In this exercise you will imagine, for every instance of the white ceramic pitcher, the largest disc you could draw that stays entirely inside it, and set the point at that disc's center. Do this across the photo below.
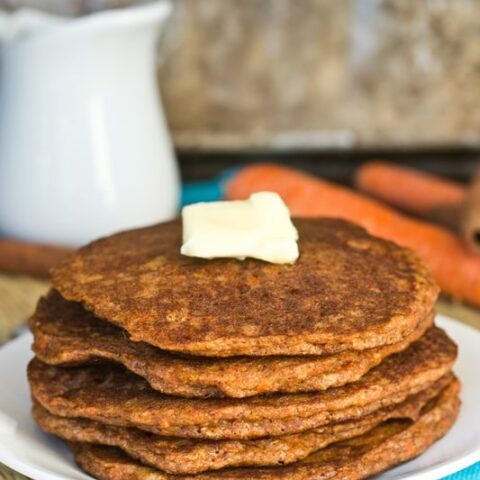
(84, 147)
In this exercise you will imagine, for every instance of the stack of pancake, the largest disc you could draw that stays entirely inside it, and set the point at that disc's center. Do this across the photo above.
(154, 365)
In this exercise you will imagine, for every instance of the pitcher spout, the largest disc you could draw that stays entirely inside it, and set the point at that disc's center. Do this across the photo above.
(141, 16)
(33, 24)
(26, 22)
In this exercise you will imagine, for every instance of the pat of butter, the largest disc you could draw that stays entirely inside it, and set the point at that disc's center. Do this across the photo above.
(259, 227)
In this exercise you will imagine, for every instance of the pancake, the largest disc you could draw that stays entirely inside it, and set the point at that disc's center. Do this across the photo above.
(179, 456)
(112, 395)
(65, 333)
(347, 291)
(390, 443)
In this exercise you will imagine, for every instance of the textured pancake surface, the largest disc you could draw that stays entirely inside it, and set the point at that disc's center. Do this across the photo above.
(65, 333)
(180, 456)
(110, 394)
(347, 291)
(386, 445)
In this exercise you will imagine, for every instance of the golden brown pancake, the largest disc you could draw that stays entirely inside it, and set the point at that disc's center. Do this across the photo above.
(390, 443)
(348, 291)
(112, 395)
(65, 333)
(181, 456)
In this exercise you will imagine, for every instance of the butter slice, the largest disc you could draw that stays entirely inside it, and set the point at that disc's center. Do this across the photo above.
(259, 227)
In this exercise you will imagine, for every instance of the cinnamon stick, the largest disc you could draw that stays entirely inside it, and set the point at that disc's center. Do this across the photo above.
(447, 215)
(30, 258)
(470, 217)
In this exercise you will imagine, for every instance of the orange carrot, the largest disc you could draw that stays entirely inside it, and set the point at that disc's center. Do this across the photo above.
(455, 268)
(408, 189)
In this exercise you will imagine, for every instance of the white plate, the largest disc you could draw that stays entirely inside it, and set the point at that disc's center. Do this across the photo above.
(26, 449)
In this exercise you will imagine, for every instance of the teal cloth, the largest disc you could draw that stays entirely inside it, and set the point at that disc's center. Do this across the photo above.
(470, 473)
(206, 191)
(213, 190)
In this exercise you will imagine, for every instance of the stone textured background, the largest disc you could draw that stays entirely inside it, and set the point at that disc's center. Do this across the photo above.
(316, 73)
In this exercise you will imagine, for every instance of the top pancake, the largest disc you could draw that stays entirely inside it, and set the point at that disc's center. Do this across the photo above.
(347, 291)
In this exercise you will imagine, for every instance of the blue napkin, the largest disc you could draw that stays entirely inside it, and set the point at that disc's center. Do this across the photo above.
(470, 473)
(206, 191)
(213, 190)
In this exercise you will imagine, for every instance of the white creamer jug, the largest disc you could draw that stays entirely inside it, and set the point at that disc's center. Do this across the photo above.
(84, 147)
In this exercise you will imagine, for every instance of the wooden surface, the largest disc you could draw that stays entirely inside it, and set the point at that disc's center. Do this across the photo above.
(18, 295)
